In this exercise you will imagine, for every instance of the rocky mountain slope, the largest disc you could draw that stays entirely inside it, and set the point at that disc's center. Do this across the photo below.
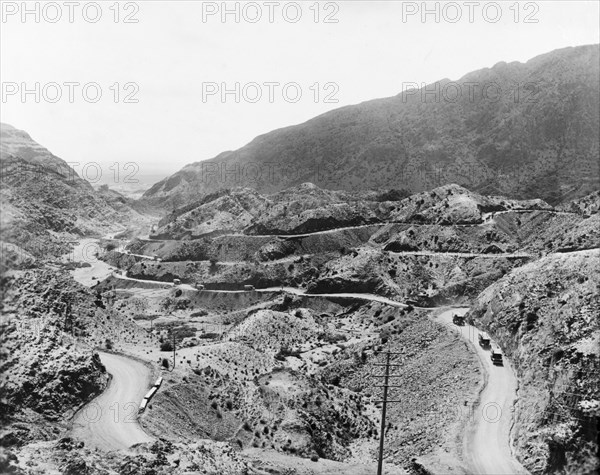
(42, 197)
(306, 208)
(447, 244)
(522, 130)
(300, 209)
(294, 376)
(276, 380)
(48, 369)
(586, 205)
(545, 317)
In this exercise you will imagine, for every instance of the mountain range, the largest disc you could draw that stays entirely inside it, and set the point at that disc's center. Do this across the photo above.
(523, 130)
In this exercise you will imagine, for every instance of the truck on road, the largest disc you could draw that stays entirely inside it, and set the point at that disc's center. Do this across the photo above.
(484, 340)
(496, 356)
(458, 319)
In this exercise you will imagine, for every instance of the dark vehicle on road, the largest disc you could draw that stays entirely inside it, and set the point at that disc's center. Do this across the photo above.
(496, 356)
(484, 340)
(458, 319)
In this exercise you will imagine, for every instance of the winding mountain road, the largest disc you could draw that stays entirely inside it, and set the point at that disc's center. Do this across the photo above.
(485, 219)
(301, 292)
(467, 255)
(486, 442)
(109, 422)
(289, 290)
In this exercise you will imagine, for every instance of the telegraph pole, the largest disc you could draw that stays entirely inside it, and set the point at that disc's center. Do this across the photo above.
(174, 349)
(383, 411)
(386, 376)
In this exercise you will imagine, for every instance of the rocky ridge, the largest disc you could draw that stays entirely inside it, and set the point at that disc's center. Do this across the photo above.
(536, 136)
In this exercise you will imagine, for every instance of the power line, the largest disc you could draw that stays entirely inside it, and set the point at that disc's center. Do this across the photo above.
(385, 401)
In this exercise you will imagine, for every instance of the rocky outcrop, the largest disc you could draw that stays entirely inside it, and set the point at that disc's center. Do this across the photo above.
(587, 205)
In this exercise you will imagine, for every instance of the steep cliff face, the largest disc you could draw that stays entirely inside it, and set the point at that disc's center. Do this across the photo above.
(522, 130)
(545, 316)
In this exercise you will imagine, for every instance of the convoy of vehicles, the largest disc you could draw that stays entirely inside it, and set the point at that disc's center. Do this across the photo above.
(150, 394)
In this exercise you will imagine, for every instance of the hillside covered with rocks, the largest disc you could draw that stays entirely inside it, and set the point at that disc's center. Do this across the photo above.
(545, 317)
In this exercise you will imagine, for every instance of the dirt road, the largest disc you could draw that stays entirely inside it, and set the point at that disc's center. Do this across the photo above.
(85, 251)
(467, 255)
(370, 297)
(290, 290)
(109, 422)
(486, 441)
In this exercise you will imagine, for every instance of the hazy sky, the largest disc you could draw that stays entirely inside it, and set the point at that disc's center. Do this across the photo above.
(173, 53)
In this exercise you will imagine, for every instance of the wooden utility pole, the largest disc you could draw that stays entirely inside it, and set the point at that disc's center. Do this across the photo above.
(385, 401)
(174, 354)
(383, 411)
